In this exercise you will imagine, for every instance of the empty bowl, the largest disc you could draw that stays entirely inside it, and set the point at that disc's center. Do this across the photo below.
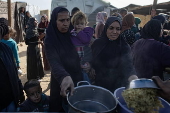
(143, 83)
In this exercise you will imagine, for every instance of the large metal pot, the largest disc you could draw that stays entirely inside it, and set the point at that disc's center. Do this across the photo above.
(91, 99)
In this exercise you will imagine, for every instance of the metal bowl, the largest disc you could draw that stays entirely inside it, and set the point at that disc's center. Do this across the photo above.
(91, 99)
(143, 83)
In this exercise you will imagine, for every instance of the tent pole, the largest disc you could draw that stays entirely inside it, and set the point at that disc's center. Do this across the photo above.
(9, 12)
(154, 4)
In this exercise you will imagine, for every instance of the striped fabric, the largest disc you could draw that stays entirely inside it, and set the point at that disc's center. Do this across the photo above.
(80, 51)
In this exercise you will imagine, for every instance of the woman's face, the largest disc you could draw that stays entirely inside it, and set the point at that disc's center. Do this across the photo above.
(113, 31)
(43, 19)
(105, 18)
(28, 14)
(153, 12)
(36, 23)
(63, 21)
(22, 9)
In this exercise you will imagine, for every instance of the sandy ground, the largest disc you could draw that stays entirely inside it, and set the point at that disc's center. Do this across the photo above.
(45, 82)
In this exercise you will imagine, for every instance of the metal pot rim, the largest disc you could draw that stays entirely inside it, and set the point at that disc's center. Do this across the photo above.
(93, 86)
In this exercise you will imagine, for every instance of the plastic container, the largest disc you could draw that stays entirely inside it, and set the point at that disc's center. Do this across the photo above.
(143, 83)
(122, 107)
(19, 72)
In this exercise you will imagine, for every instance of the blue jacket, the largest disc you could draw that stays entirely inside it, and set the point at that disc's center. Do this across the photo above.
(29, 106)
(13, 45)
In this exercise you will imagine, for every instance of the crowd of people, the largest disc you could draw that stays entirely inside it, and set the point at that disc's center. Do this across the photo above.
(111, 54)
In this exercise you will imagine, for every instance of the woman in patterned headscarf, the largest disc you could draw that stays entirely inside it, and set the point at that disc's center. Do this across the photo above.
(34, 63)
(42, 26)
(100, 22)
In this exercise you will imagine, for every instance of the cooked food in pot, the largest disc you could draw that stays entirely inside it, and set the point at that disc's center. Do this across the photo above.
(142, 100)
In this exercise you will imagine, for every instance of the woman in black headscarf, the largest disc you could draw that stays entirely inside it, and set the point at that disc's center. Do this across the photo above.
(34, 62)
(112, 57)
(10, 85)
(62, 57)
(27, 17)
(150, 56)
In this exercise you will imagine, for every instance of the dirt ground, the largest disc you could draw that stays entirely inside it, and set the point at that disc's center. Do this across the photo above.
(45, 82)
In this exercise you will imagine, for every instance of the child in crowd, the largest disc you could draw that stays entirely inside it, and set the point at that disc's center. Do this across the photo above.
(36, 101)
(81, 37)
(8, 40)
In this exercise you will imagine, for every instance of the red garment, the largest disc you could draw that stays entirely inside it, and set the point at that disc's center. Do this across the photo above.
(43, 24)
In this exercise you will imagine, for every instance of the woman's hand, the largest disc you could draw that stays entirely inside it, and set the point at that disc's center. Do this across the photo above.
(86, 67)
(42, 36)
(67, 83)
(165, 88)
(92, 73)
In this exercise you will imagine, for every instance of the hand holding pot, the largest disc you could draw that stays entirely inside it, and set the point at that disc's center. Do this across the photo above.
(66, 84)
(165, 88)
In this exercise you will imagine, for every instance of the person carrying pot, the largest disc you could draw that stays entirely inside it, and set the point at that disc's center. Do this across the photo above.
(164, 86)
(62, 57)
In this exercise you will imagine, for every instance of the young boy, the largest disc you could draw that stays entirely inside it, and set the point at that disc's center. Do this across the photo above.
(81, 37)
(12, 44)
(36, 101)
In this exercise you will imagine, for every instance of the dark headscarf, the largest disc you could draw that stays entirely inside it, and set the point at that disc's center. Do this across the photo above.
(45, 23)
(7, 57)
(63, 45)
(111, 60)
(152, 30)
(3, 27)
(27, 17)
(160, 18)
(104, 41)
(32, 29)
(128, 22)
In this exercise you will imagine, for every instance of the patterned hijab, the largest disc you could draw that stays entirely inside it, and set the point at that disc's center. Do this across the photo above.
(32, 29)
(128, 22)
(100, 17)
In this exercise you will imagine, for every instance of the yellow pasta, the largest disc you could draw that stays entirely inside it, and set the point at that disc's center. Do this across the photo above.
(142, 100)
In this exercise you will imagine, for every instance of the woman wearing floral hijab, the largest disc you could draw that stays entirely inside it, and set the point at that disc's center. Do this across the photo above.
(44, 22)
(34, 63)
(100, 22)
(42, 26)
